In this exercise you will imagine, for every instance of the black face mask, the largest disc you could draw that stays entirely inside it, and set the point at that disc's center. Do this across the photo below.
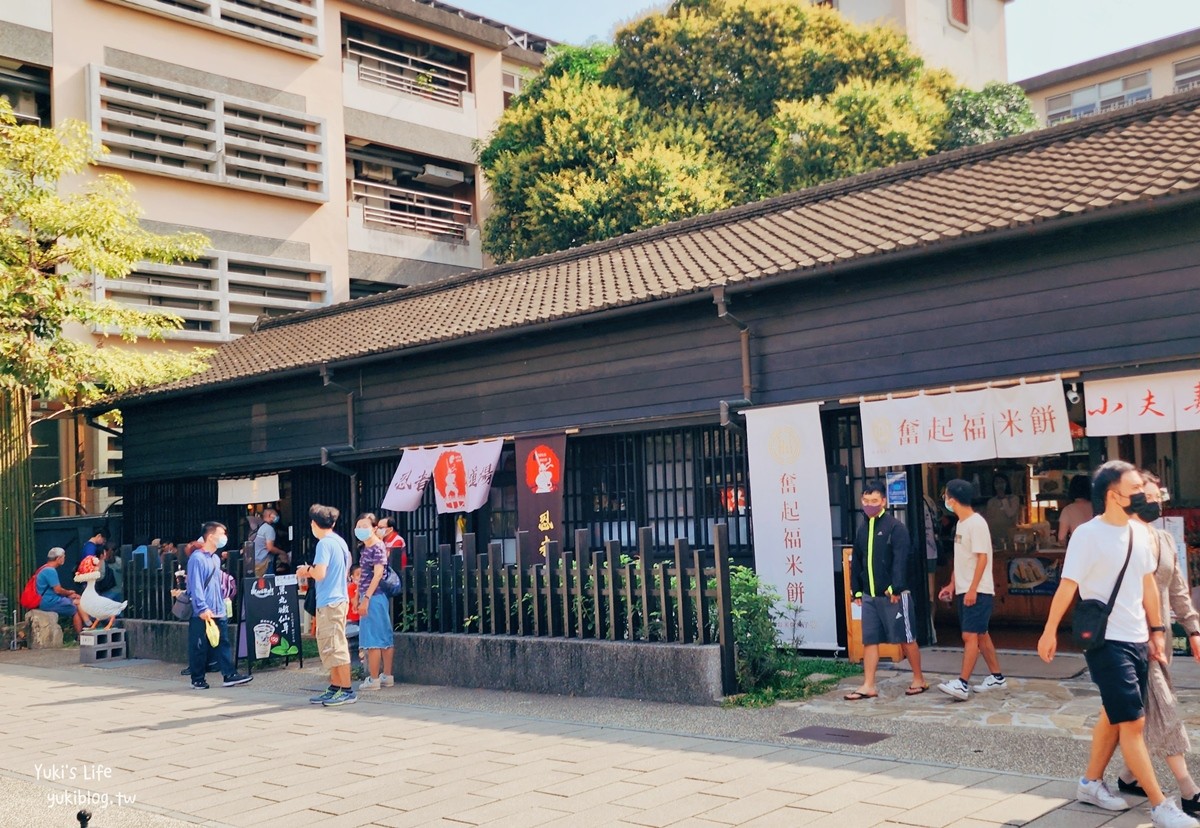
(1150, 512)
(1137, 502)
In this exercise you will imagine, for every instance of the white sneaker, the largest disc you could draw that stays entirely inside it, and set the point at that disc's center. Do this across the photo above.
(1167, 815)
(386, 680)
(991, 683)
(368, 684)
(956, 688)
(1097, 793)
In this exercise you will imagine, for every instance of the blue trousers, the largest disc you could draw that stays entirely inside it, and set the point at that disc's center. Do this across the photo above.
(200, 652)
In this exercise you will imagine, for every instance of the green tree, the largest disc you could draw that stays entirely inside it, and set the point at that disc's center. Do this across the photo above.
(997, 111)
(773, 94)
(587, 63)
(56, 236)
(581, 162)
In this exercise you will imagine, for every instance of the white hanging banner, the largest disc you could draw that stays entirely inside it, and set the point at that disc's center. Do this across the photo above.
(793, 534)
(1020, 421)
(246, 490)
(462, 475)
(1030, 420)
(1150, 404)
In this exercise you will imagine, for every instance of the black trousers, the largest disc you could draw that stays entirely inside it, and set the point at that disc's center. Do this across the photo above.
(201, 653)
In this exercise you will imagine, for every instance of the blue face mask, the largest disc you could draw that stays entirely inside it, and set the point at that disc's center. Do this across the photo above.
(221, 541)
(362, 534)
(949, 508)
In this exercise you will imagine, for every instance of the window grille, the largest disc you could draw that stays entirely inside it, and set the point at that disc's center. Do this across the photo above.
(294, 25)
(167, 128)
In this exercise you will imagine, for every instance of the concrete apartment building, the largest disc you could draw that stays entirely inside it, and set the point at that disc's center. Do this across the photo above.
(964, 36)
(1151, 70)
(324, 146)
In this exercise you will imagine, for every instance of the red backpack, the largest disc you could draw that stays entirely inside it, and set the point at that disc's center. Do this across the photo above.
(31, 599)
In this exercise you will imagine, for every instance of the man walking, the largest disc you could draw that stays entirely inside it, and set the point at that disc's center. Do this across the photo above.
(330, 565)
(1096, 554)
(879, 582)
(972, 587)
(204, 588)
(266, 553)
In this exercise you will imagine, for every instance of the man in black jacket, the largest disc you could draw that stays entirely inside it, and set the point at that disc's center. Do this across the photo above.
(879, 583)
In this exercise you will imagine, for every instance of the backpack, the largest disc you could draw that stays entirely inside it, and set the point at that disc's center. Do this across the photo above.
(31, 599)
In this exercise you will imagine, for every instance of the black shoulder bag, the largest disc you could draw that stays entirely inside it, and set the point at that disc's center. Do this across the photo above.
(1090, 621)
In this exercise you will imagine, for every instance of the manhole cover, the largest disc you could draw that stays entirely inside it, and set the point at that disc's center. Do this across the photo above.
(838, 735)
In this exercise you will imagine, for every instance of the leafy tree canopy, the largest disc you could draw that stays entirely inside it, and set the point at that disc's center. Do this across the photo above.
(53, 242)
(738, 99)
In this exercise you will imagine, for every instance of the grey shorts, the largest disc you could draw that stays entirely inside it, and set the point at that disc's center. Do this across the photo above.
(886, 623)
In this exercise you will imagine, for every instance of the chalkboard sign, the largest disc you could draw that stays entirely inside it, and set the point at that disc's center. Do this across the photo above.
(272, 614)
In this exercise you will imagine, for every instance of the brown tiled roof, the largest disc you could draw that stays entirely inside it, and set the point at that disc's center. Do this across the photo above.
(1145, 153)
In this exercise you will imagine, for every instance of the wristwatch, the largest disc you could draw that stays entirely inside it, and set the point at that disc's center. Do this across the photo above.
(1158, 629)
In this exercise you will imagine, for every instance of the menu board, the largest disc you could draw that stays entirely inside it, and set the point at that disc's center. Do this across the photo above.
(1033, 575)
(272, 613)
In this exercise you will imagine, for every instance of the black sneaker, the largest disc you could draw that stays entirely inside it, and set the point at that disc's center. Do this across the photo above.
(1134, 789)
(1191, 807)
(236, 680)
(201, 684)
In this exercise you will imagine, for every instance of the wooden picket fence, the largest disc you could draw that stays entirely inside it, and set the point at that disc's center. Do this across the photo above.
(608, 595)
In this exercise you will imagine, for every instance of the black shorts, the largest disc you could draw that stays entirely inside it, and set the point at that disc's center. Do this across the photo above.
(886, 623)
(975, 618)
(1120, 669)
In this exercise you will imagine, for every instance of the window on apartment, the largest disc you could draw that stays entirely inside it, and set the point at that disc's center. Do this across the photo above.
(429, 71)
(222, 295)
(27, 90)
(1187, 74)
(290, 24)
(512, 84)
(1101, 97)
(957, 11)
(411, 192)
(163, 127)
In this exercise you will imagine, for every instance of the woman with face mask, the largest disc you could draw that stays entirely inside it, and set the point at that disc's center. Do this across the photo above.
(375, 634)
(1165, 732)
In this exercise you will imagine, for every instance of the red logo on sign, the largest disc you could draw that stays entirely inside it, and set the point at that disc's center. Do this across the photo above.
(543, 470)
(450, 478)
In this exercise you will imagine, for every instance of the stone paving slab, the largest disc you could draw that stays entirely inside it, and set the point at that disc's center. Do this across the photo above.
(262, 756)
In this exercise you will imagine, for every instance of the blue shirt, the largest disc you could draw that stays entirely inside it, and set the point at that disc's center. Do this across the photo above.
(333, 552)
(47, 580)
(266, 532)
(202, 568)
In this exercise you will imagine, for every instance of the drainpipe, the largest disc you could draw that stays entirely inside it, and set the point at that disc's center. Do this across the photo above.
(351, 438)
(730, 407)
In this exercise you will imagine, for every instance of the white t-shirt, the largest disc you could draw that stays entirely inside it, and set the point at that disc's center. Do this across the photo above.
(971, 539)
(1095, 555)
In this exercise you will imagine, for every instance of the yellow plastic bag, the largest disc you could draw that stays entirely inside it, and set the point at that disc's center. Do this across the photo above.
(213, 631)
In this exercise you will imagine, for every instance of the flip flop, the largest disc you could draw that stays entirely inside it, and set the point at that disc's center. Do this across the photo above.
(916, 691)
(855, 696)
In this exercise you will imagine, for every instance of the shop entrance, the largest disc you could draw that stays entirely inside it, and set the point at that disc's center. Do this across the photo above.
(1026, 502)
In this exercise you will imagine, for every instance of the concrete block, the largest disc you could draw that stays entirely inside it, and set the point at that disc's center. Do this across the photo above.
(92, 653)
(45, 633)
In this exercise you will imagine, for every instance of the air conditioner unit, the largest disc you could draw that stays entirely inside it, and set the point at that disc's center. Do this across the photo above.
(376, 172)
(440, 176)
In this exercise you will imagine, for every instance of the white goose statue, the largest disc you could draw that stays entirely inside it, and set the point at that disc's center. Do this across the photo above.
(93, 603)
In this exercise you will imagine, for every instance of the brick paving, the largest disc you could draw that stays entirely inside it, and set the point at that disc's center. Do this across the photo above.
(262, 756)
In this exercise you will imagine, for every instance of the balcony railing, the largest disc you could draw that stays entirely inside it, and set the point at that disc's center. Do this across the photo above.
(407, 73)
(412, 209)
(1185, 85)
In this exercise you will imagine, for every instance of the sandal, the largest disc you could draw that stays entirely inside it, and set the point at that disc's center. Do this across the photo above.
(916, 690)
(856, 695)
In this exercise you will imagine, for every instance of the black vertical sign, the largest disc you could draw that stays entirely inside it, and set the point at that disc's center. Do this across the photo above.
(272, 617)
(540, 477)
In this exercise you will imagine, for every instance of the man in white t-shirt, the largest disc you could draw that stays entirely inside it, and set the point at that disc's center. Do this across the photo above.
(1135, 634)
(973, 589)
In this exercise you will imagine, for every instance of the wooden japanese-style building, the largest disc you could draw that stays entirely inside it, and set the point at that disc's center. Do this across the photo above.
(1074, 249)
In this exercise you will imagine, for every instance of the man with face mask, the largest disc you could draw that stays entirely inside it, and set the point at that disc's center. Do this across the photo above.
(1096, 554)
(265, 550)
(204, 587)
(879, 582)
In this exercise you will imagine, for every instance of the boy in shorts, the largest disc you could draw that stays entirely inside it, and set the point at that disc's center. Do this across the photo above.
(973, 589)
(329, 569)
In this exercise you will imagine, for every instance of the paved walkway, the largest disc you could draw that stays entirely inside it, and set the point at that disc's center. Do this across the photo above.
(158, 754)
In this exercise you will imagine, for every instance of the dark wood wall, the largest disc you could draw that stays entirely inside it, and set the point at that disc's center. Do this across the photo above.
(1110, 294)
